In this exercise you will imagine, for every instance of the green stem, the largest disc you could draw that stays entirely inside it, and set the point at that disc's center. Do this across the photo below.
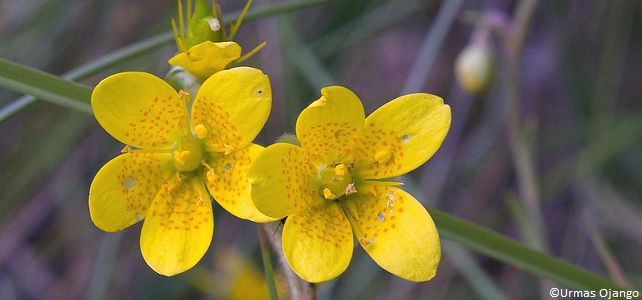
(298, 288)
(520, 143)
(267, 262)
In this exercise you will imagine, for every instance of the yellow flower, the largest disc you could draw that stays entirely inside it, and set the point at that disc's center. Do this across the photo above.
(205, 48)
(333, 187)
(207, 58)
(172, 160)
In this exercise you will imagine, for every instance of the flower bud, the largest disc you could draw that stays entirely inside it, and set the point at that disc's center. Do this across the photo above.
(203, 26)
(474, 67)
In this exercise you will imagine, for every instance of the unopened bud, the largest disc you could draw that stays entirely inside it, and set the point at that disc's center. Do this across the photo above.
(474, 67)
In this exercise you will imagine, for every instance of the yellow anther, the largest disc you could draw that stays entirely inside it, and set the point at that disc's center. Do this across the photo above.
(328, 194)
(211, 176)
(336, 181)
(340, 169)
(382, 156)
(127, 149)
(183, 95)
(200, 130)
(181, 156)
(228, 149)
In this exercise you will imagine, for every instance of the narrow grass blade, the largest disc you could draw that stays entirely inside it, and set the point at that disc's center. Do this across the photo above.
(45, 86)
(508, 251)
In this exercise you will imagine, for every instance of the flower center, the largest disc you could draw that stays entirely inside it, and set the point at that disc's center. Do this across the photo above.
(336, 181)
(188, 155)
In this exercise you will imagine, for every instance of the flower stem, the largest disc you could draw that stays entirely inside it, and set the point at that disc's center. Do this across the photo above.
(298, 288)
(267, 263)
(519, 134)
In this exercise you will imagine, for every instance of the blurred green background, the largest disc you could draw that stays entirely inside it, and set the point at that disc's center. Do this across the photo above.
(580, 110)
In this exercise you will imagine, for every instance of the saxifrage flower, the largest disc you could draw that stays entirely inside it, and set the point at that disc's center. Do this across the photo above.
(339, 185)
(176, 155)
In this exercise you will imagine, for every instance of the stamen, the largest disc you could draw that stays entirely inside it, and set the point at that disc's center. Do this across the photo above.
(127, 149)
(183, 95)
(200, 130)
(391, 201)
(130, 150)
(382, 156)
(210, 175)
(228, 149)
(340, 169)
(201, 201)
(350, 189)
(366, 242)
(328, 194)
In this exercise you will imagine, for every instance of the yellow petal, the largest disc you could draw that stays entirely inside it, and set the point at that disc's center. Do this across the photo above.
(229, 184)
(402, 135)
(232, 106)
(179, 226)
(283, 181)
(139, 109)
(318, 242)
(123, 189)
(329, 127)
(395, 230)
(207, 58)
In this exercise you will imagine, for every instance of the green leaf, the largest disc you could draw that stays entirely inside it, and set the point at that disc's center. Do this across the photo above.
(508, 251)
(45, 86)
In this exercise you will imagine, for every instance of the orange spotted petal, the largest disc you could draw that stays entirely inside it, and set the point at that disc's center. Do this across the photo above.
(328, 129)
(318, 242)
(179, 226)
(140, 109)
(402, 135)
(123, 189)
(226, 179)
(395, 230)
(283, 181)
(231, 108)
